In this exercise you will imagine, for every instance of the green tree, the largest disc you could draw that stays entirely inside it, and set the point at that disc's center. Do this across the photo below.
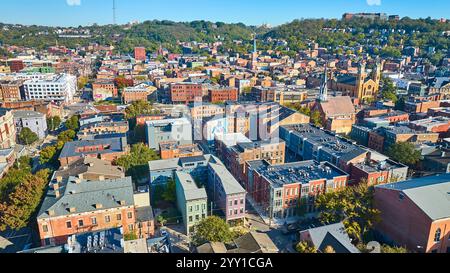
(136, 162)
(212, 229)
(170, 193)
(404, 152)
(73, 123)
(139, 107)
(305, 247)
(388, 92)
(27, 136)
(53, 123)
(67, 136)
(130, 236)
(47, 155)
(82, 81)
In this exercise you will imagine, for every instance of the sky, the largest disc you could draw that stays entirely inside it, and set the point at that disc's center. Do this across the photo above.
(251, 12)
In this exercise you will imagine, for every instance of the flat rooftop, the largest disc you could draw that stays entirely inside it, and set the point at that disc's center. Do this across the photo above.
(297, 172)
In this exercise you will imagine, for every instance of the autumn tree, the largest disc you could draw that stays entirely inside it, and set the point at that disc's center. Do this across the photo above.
(305, 247)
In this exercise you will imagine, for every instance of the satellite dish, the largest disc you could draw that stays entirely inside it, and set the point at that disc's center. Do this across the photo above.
(373, 247)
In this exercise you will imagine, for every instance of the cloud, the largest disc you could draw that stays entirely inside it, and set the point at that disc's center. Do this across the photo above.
(73, 2)
(374, 2)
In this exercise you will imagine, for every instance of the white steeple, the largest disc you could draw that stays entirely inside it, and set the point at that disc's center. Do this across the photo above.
(323, 96)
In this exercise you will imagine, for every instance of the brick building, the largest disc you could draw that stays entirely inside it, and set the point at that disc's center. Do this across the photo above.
(7, 130)
(106, 149)
(75, 206)
(104, 89)
(416, 213)
(10, 91)
(186, 92)
(222, 94)
(289, 190)
(140, 53)
(170, 150)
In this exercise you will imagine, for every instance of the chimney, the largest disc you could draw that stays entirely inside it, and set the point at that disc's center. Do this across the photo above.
(98, 206)
(122, 202)
(51, 212)
(59, 179)
(80, 176)
(72, 209)
(101, 178)
(77, 181)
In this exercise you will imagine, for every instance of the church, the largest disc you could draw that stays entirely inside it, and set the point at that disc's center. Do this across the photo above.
(361, 86)
(338, 114)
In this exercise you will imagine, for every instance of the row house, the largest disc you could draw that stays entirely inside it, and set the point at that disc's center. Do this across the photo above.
(289, 190)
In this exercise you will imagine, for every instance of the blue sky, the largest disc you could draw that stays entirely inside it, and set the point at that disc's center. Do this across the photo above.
(253, 12)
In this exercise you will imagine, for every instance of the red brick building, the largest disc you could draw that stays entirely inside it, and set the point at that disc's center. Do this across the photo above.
(16, 65)
(223, 94)
(10, 91)
(416, 213)
(140, 53)
(186, 92)
(76, 206)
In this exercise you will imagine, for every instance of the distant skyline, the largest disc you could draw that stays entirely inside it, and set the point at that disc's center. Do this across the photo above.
(250, 12)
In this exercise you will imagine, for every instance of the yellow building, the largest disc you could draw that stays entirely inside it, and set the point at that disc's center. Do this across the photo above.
(361, 85)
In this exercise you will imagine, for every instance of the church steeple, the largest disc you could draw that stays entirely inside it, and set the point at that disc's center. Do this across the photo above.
(324, 86)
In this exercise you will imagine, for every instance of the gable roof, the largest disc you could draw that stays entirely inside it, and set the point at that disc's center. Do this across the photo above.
(332, 235)
(336, 106)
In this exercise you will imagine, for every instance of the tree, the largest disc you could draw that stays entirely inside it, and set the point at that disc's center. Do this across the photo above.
(388, 92)
(67, 136)
(136, 162)
(130, 236)
(122, 82)
(82, 81)
(72, 123)
(404, 152)
(22, 203)
(305, 247)
(353, 206)
(47, 155)
(53, 123)
(393, 249)
(161, 220)
(212, 229)
(27, 136)
(139, 107)
(170, 194)
(316, 118)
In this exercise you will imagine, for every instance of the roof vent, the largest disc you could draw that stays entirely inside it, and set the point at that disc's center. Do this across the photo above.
(72, 209)
(98, 206)
(122, 202)
(51, 212)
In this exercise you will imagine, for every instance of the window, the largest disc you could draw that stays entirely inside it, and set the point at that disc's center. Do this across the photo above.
(235, 202)
(230, 212)
(190, 208)
(119, 217)
(131, 227)
(80, 223)
(107, 219)
(45, 228)
(94, 220)
(69, 224)
(242, 210)
(242, 201)
(235, 211)
(130, 215)
(437, 235)
(190, 218)
(197, 217)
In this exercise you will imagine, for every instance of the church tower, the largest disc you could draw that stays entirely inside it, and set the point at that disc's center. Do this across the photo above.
(377, 73)
(360, 80)
(254, 60)
(323, 96)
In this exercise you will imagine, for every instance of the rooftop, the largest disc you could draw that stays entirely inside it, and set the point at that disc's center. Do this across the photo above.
(110, 145)
(190, 188)
(297, 172)
(431, 194)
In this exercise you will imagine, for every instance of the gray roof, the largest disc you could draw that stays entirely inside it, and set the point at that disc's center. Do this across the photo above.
(176, 163)
(27, 114)
(431, 194)
(332, 235)
(113, 144)
(85, 195)
(229, 183)
(190, 188)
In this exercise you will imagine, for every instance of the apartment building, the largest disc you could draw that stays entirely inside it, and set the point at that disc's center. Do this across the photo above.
(170, 150)
(104, 89)
(108, 149)
(7, 129)
(74, 206)
(168, 130)
(53, 87)
(289, 190)
(192, 200)
(186, 92)
(222, 94)
(35, 121)
(11, 90)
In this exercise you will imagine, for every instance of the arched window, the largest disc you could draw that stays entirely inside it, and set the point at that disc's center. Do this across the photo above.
(437, 235)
